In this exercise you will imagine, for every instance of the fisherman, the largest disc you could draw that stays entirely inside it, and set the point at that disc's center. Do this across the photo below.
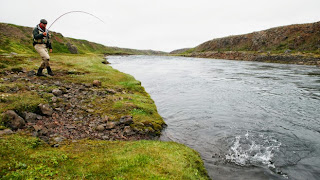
(41, 41)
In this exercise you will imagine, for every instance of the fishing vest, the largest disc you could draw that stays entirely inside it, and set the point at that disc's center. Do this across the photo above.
(44, 40)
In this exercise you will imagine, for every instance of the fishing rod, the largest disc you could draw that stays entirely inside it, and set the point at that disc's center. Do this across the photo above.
(74, 12)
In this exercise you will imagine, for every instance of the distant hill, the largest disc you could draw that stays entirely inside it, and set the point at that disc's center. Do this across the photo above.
(18, 39)
(298, 37)
(178, 51)
(293, 41)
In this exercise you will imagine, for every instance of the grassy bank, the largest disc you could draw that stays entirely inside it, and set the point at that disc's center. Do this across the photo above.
(24, 157)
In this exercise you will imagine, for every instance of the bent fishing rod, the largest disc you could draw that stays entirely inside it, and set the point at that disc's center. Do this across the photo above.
(74, 12)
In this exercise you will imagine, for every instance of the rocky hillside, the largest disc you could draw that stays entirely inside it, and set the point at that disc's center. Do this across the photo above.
(298, 37)
(18, 39)
(299, 43)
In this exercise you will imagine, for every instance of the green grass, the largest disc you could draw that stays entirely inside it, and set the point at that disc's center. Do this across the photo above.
(24, 157)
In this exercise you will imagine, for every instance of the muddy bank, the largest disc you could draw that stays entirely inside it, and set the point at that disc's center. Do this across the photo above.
(286, 58)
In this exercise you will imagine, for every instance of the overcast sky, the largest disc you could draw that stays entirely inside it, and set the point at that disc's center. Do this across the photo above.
(163, 25)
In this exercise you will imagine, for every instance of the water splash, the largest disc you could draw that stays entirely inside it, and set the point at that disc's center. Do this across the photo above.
(250, 149)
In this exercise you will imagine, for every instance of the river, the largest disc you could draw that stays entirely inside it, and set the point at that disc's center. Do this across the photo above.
(248, 120)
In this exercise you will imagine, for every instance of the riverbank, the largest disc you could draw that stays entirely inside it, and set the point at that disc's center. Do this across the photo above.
(283, 58)
(84, 103)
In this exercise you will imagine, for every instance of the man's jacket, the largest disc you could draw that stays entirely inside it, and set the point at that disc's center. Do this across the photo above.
(39, 38)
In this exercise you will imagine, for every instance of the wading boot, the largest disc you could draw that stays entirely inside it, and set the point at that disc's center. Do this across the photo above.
(50, 71)
(39, 73)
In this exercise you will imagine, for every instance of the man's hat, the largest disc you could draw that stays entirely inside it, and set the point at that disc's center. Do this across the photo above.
(43, 21)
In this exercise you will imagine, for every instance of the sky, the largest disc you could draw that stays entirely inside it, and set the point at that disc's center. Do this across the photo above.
(163, 25)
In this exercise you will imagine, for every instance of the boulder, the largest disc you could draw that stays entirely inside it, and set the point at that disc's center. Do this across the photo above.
(6, 132)
(72, 48)
(127, 120)
(96, 83)
(13, 120)
(57, 92)
(45, 109)
(30, 117)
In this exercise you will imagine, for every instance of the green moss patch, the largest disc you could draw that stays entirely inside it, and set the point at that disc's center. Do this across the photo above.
(24, 157)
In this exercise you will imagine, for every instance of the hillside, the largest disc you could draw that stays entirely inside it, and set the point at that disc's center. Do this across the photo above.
(18, 39)
(299, 43)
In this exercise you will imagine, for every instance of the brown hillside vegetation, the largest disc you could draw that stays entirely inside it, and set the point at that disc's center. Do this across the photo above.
(293, 44)
(298, 37)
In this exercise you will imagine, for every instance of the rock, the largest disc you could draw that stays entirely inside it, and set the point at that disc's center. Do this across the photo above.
(100, 128)
(72, 48)
(6, 132)
(54, 99)
(110, 125)
(39, 117)
(13, 120)
(287, 51)
(127, 130)
(111, 91)
(44, 131)
(105, 119)
(87, 85)
(127, 120)
(90, 110)
(58, 139)
(70, 127)
(31, 73)
(57, 92)
(37, 128)
(45, 109)
(105, 137)
(105, 61)
(96, 83)
(30, 117)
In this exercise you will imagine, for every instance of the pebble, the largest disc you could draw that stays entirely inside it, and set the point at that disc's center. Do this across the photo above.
(100, 128)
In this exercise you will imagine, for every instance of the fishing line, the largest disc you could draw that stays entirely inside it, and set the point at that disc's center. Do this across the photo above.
(74, 12)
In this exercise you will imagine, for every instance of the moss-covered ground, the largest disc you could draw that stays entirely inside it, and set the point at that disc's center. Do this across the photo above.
(25, 157)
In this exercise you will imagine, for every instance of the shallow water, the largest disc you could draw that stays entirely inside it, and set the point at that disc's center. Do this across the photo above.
(248, 120)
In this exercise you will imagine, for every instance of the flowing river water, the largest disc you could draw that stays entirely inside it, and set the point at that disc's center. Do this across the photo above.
(248, 120)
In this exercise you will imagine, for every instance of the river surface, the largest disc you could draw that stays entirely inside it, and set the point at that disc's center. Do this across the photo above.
(248, 120)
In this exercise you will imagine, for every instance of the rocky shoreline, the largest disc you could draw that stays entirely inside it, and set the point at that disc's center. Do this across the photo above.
(69, 114)
(285, 58)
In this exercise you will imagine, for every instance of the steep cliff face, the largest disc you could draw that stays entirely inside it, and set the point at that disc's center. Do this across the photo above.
(299, 37)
